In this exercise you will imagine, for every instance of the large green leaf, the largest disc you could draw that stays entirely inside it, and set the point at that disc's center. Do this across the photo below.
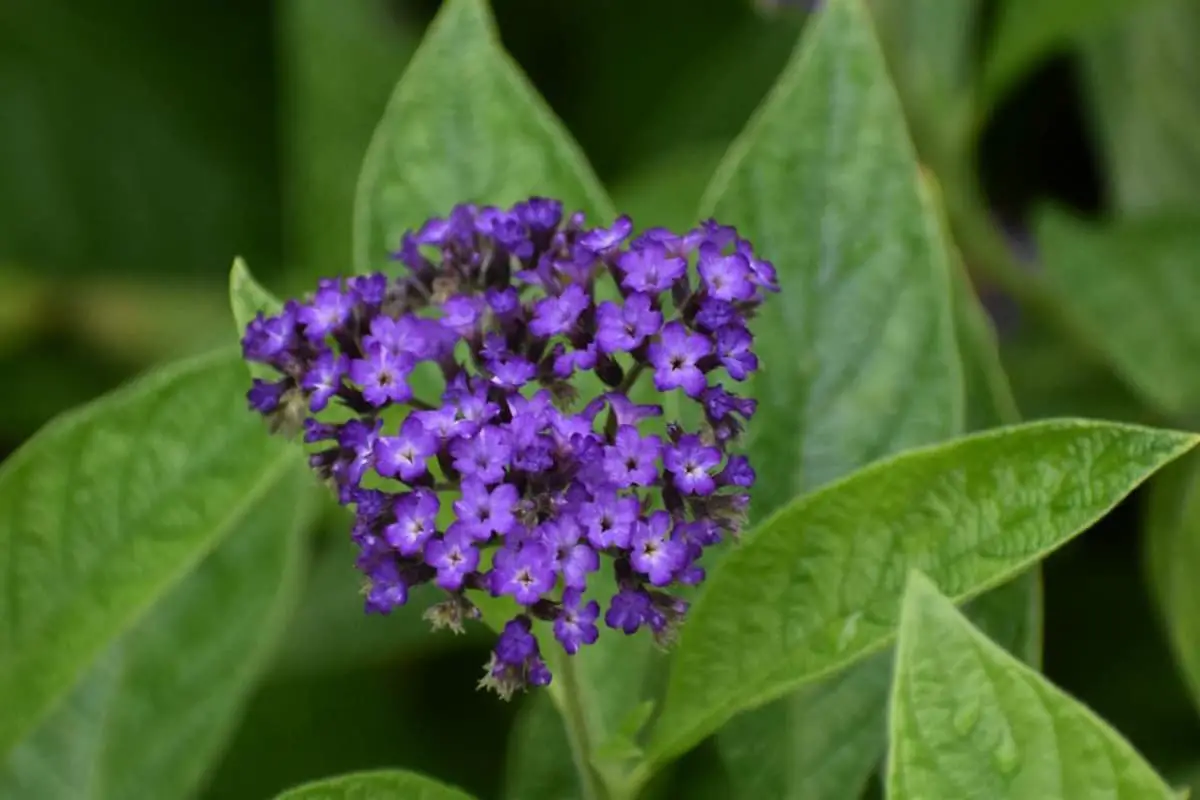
(106, 509)
(969, 720)
(391, 785)
(1173, 556)
(1141, 77)
(1026, 31)
(156, 707)
(463, 125)
(858, 349)
(1134, 287)
(817, 586)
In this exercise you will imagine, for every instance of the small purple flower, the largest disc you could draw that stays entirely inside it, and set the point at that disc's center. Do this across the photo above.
(566, 362)
(483, 513)
(725, 277)
(553, 316)
(692, 463)
(604, 240)
(650, 269)
(370, 290)
(315, 431)
(383, 376)
(609, 519)
(388, 589)
(329, 310)
(575, 625)
(733, 348)
(628, 610)
(357, 441)
(652, 550)
(509, 371)
(416, 522)
(403, 456)
(621, 328)
(484, 456)
(675, 356)
(737, 472)
(714, 314)
(632, 460)
(324, 379)
(571, 558)
(267, 338)
(539, 214)
(763, 272)
(516, 661)
(461, 314)
(526, 574)
(504, 304)
(406, 336)
(453, 557)
(264, 396)
(625, 410)
(719, 403)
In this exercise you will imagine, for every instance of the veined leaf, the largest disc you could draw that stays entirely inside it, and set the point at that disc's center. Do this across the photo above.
(859, 359)
(108, 508)
(463, 125)
(383, 785)
(158, 705)
(817, 586)
(967, 719)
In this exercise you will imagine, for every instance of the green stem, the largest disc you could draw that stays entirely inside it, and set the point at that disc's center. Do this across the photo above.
(578, 734)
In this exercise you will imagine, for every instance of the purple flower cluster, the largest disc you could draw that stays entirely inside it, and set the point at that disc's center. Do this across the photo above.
(509, 484)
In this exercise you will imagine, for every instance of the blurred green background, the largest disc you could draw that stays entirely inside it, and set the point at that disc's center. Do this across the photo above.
(143, 145)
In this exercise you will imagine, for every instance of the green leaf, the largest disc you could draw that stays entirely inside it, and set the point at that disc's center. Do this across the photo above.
(108, 508)
(463, 125)
(389, 785)
(1134, 287)
(1026, 31)
(1173, 556)
(247, 297)
(1141, 78)
(967, 719)
(822, 577)
(825, 740)
(858, 349)
(539, 765)
(138, 724)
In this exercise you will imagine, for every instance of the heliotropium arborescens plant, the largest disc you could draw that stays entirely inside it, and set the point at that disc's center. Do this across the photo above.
(548, 487)
(538, 418)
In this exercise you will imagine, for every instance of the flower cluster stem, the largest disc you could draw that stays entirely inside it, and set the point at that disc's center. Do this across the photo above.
(578, 733)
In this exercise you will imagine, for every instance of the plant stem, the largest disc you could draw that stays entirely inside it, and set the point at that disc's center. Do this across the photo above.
(578, 735)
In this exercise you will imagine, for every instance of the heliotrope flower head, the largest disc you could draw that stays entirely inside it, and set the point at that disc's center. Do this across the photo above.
(455, 388)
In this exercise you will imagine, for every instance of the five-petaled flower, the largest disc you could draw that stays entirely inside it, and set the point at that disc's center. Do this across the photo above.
(477, 346)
